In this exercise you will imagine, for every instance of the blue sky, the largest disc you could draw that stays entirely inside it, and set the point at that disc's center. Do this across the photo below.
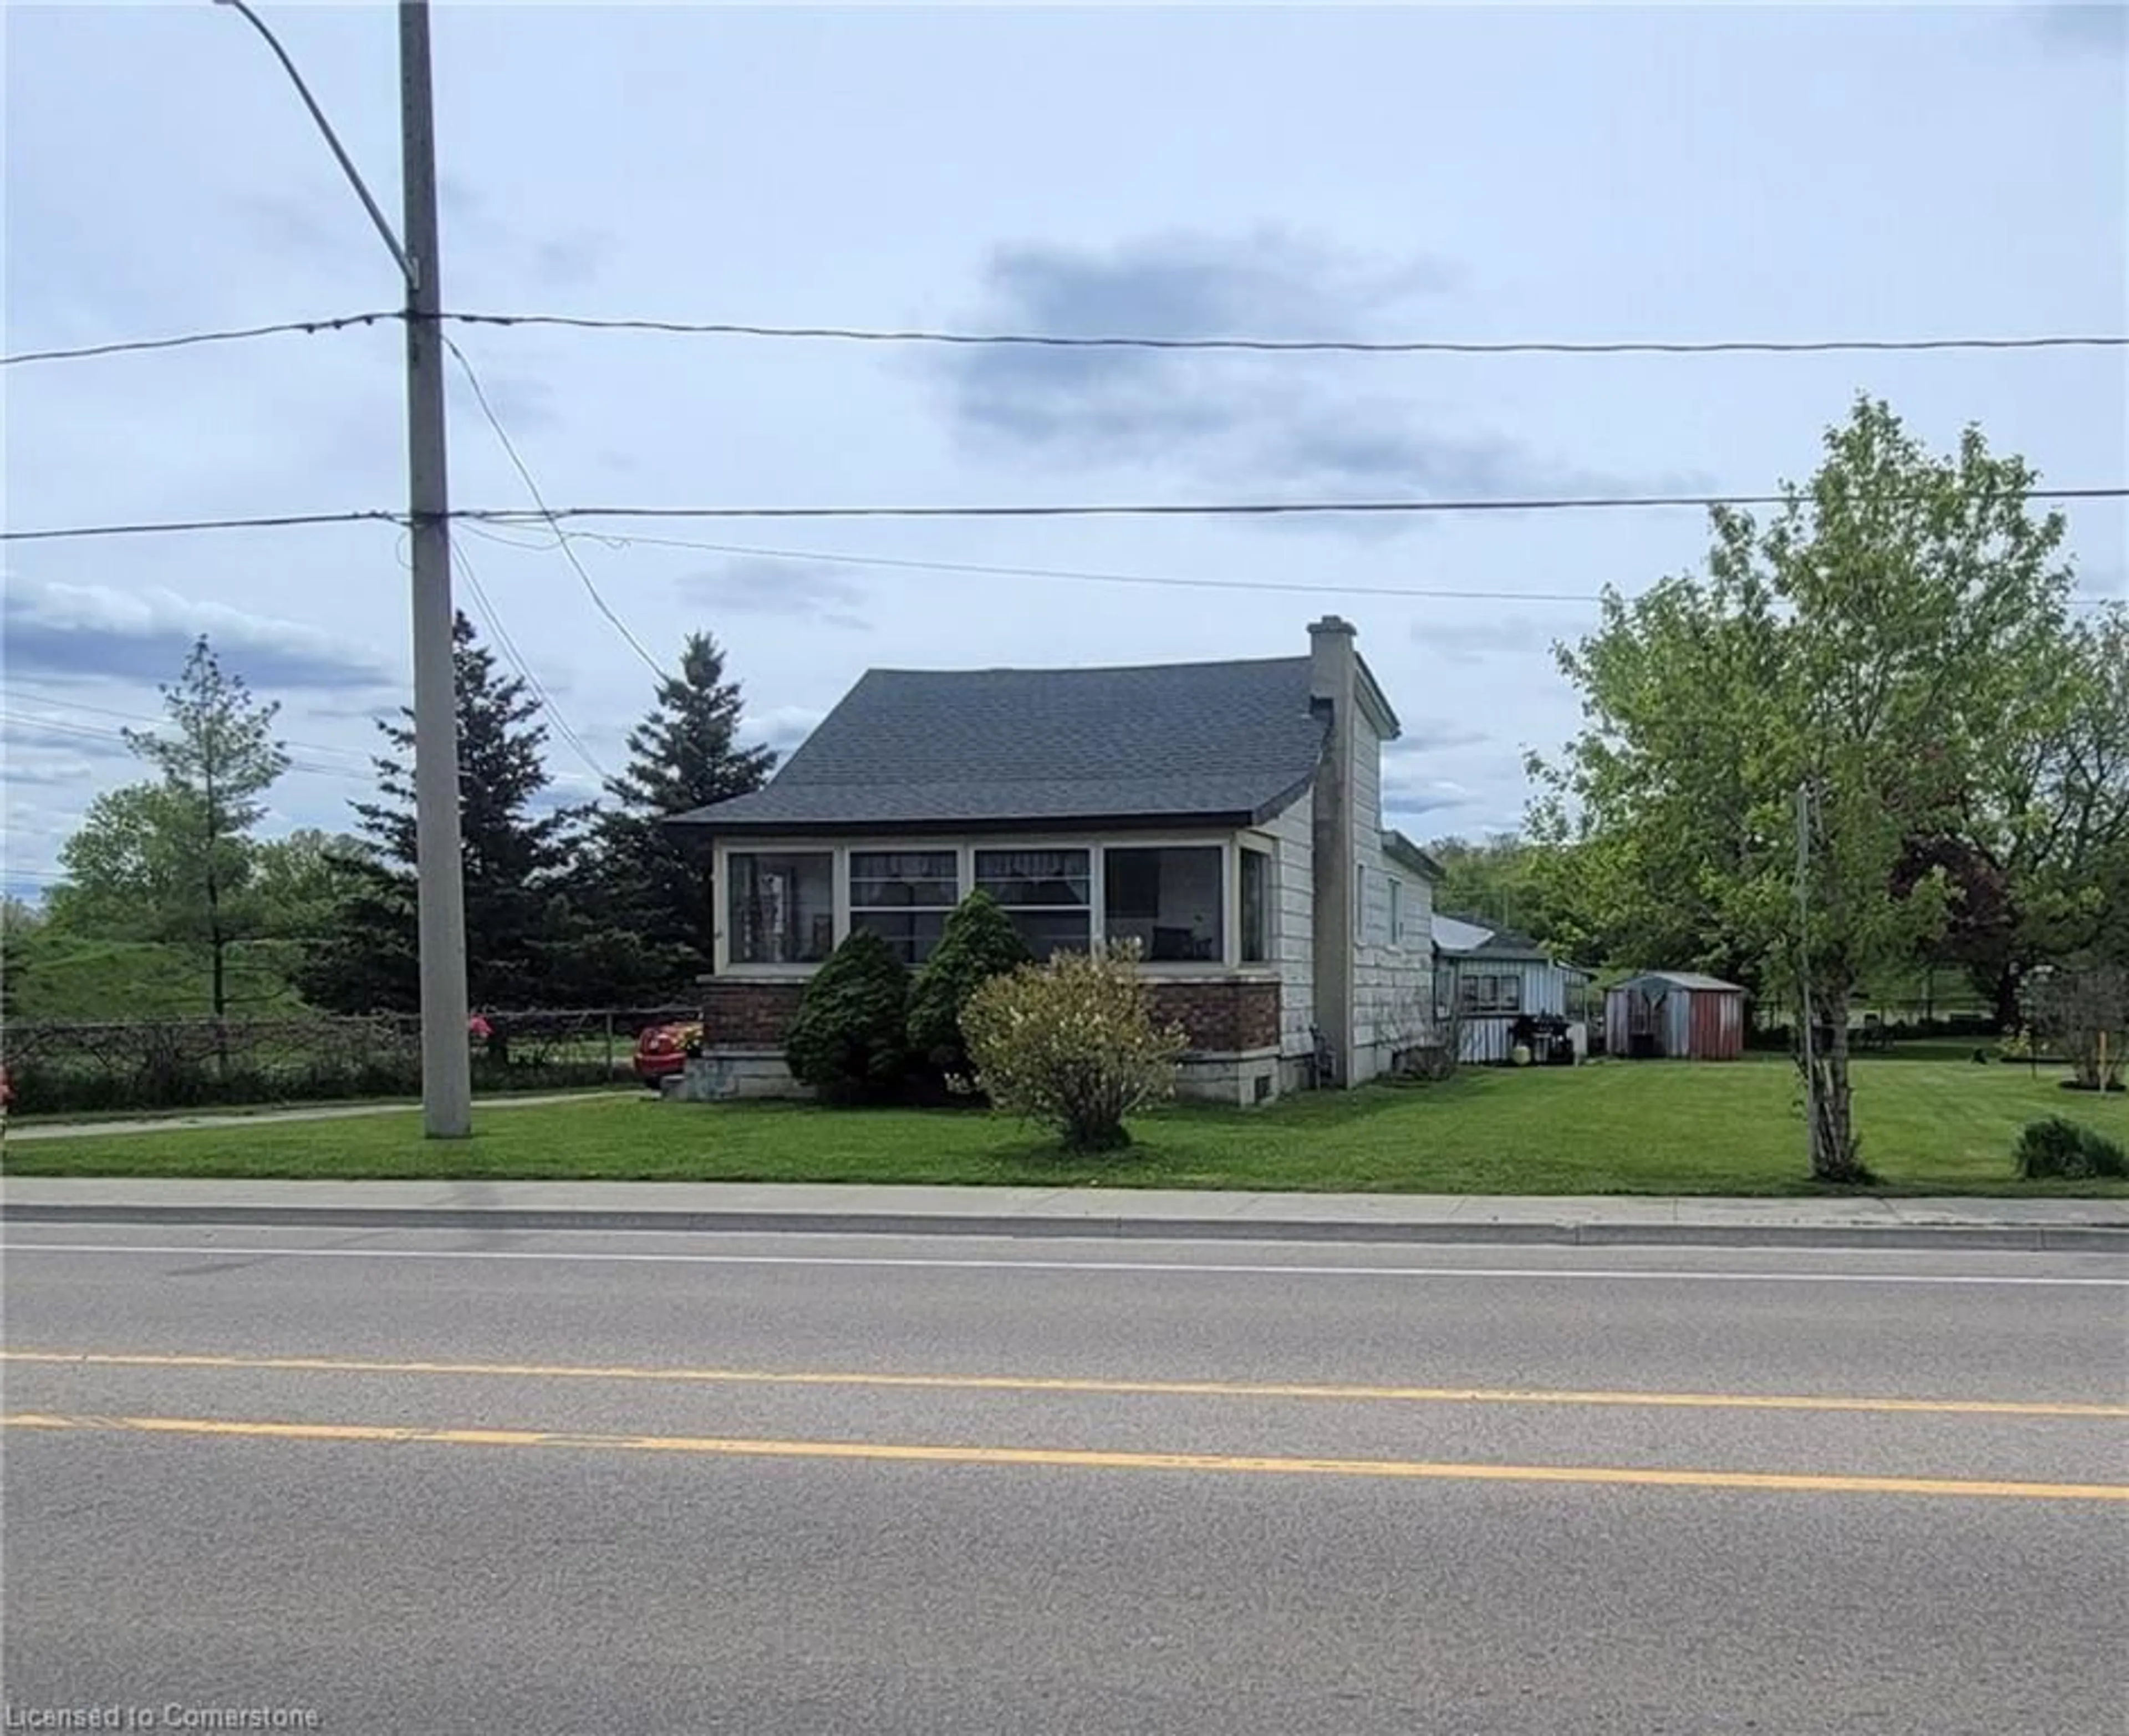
(1496, 173)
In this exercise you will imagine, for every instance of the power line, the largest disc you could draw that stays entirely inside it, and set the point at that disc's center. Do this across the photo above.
(562, 542)
(979, 569)
(84, 732)
(1301, 346)
(552, 516)
(167, 527)
(1214, 510)
(517, 661)
(15, 690)
(1113, 341)
(831, 557)
(134, 346)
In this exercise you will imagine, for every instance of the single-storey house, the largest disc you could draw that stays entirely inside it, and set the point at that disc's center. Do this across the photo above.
(1226, 816)
(1489, 980)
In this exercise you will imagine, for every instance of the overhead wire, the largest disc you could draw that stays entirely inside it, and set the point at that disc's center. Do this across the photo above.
(1213, 509)
(1297, 345)
(843, 557)
(187, 340)
(830, 557)
(85, 731)
(463, 562)
(38, 697)
(553, 517)
(532, 487)
(947, 338)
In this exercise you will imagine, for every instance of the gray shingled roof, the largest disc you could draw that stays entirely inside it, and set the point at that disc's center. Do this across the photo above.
(1206, 742)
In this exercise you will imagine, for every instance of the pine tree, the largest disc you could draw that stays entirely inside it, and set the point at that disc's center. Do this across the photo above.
(685, 754)
(516, 860)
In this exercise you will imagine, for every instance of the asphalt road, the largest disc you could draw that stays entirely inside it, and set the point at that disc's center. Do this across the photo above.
(644, 1483)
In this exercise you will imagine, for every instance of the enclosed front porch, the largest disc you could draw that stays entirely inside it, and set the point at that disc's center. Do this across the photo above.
(1201, 909)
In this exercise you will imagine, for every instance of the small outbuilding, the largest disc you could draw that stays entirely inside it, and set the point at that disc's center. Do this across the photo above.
(1500, 989)
(1675, 1015)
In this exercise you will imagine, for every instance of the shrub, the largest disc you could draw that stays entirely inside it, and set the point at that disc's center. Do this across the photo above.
(2058, 1146)
(847, 1040)
(1071, 1046)
(979, 942)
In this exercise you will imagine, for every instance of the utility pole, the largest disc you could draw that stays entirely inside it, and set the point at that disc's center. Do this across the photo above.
(447, 1051)
(446, 1055)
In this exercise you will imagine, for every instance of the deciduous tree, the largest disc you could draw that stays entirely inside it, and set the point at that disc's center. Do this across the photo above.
(1874, 643)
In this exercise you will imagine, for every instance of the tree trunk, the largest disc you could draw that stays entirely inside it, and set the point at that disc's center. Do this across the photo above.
(2005, 995)
(1828, 1099)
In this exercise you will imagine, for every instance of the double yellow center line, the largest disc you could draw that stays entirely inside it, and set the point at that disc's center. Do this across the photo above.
(905, 1453)
(930, 1454)
(1080, 1385)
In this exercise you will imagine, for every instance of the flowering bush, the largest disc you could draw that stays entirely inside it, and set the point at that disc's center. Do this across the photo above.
(1072, 1045)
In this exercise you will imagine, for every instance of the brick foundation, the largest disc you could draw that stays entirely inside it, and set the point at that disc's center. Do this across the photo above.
(738, 1014)
(1223, 1016)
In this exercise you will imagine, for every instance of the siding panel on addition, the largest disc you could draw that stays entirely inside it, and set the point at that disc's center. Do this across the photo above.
(1293, 949)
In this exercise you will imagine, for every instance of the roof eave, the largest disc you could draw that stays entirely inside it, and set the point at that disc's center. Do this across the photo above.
(700, 829)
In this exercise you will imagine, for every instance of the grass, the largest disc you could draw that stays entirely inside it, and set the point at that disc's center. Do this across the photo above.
(1930, 1124)
(66, 977)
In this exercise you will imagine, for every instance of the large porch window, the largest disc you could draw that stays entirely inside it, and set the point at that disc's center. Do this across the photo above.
(904, 896)
(781, 907)
(1046, 893)
(1167, 898)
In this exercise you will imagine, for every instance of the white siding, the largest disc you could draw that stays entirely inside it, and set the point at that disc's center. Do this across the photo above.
(1293, 938)
(1487, 1036)
(1393, 974)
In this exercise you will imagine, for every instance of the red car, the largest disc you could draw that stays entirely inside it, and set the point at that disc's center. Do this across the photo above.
(662, 1050)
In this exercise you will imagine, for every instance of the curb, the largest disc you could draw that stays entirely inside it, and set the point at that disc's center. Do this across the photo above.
(2027, 1238)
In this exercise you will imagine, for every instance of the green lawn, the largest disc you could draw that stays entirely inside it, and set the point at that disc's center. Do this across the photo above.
(1929, 1124)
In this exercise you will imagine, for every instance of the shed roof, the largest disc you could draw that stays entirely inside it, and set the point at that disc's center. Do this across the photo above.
(1684, 979)
(1229, 742)
(1466, 936)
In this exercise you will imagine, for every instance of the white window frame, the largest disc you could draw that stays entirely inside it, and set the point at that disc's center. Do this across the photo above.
(1481, 1005)
(1269, 856)
(1053, 847)
(1226, 844)
(964, 846)
(847, 910)
(1397, 913)
(722, 961)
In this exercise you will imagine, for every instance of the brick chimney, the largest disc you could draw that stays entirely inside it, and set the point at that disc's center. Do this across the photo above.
(1334, 690)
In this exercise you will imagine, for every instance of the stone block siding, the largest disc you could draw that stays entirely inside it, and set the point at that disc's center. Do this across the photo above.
(1230, 1016)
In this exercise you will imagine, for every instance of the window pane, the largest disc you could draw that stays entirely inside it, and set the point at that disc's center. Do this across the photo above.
(781, 910)
(897, 879)
(1166, 899)
(1257, 906)
(1041, 878)
(911, 934)
(1044, 932)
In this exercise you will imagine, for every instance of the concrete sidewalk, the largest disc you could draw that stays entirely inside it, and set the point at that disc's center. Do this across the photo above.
(1587, 1220)
(182, 1124)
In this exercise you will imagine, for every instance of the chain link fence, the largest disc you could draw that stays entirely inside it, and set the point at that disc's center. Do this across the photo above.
(74, 1067)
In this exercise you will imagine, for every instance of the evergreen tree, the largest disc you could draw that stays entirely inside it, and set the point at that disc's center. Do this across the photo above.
(685, 754)
(516, 859)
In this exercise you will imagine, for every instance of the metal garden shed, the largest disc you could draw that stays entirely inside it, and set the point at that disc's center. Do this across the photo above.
(1676, 1015)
